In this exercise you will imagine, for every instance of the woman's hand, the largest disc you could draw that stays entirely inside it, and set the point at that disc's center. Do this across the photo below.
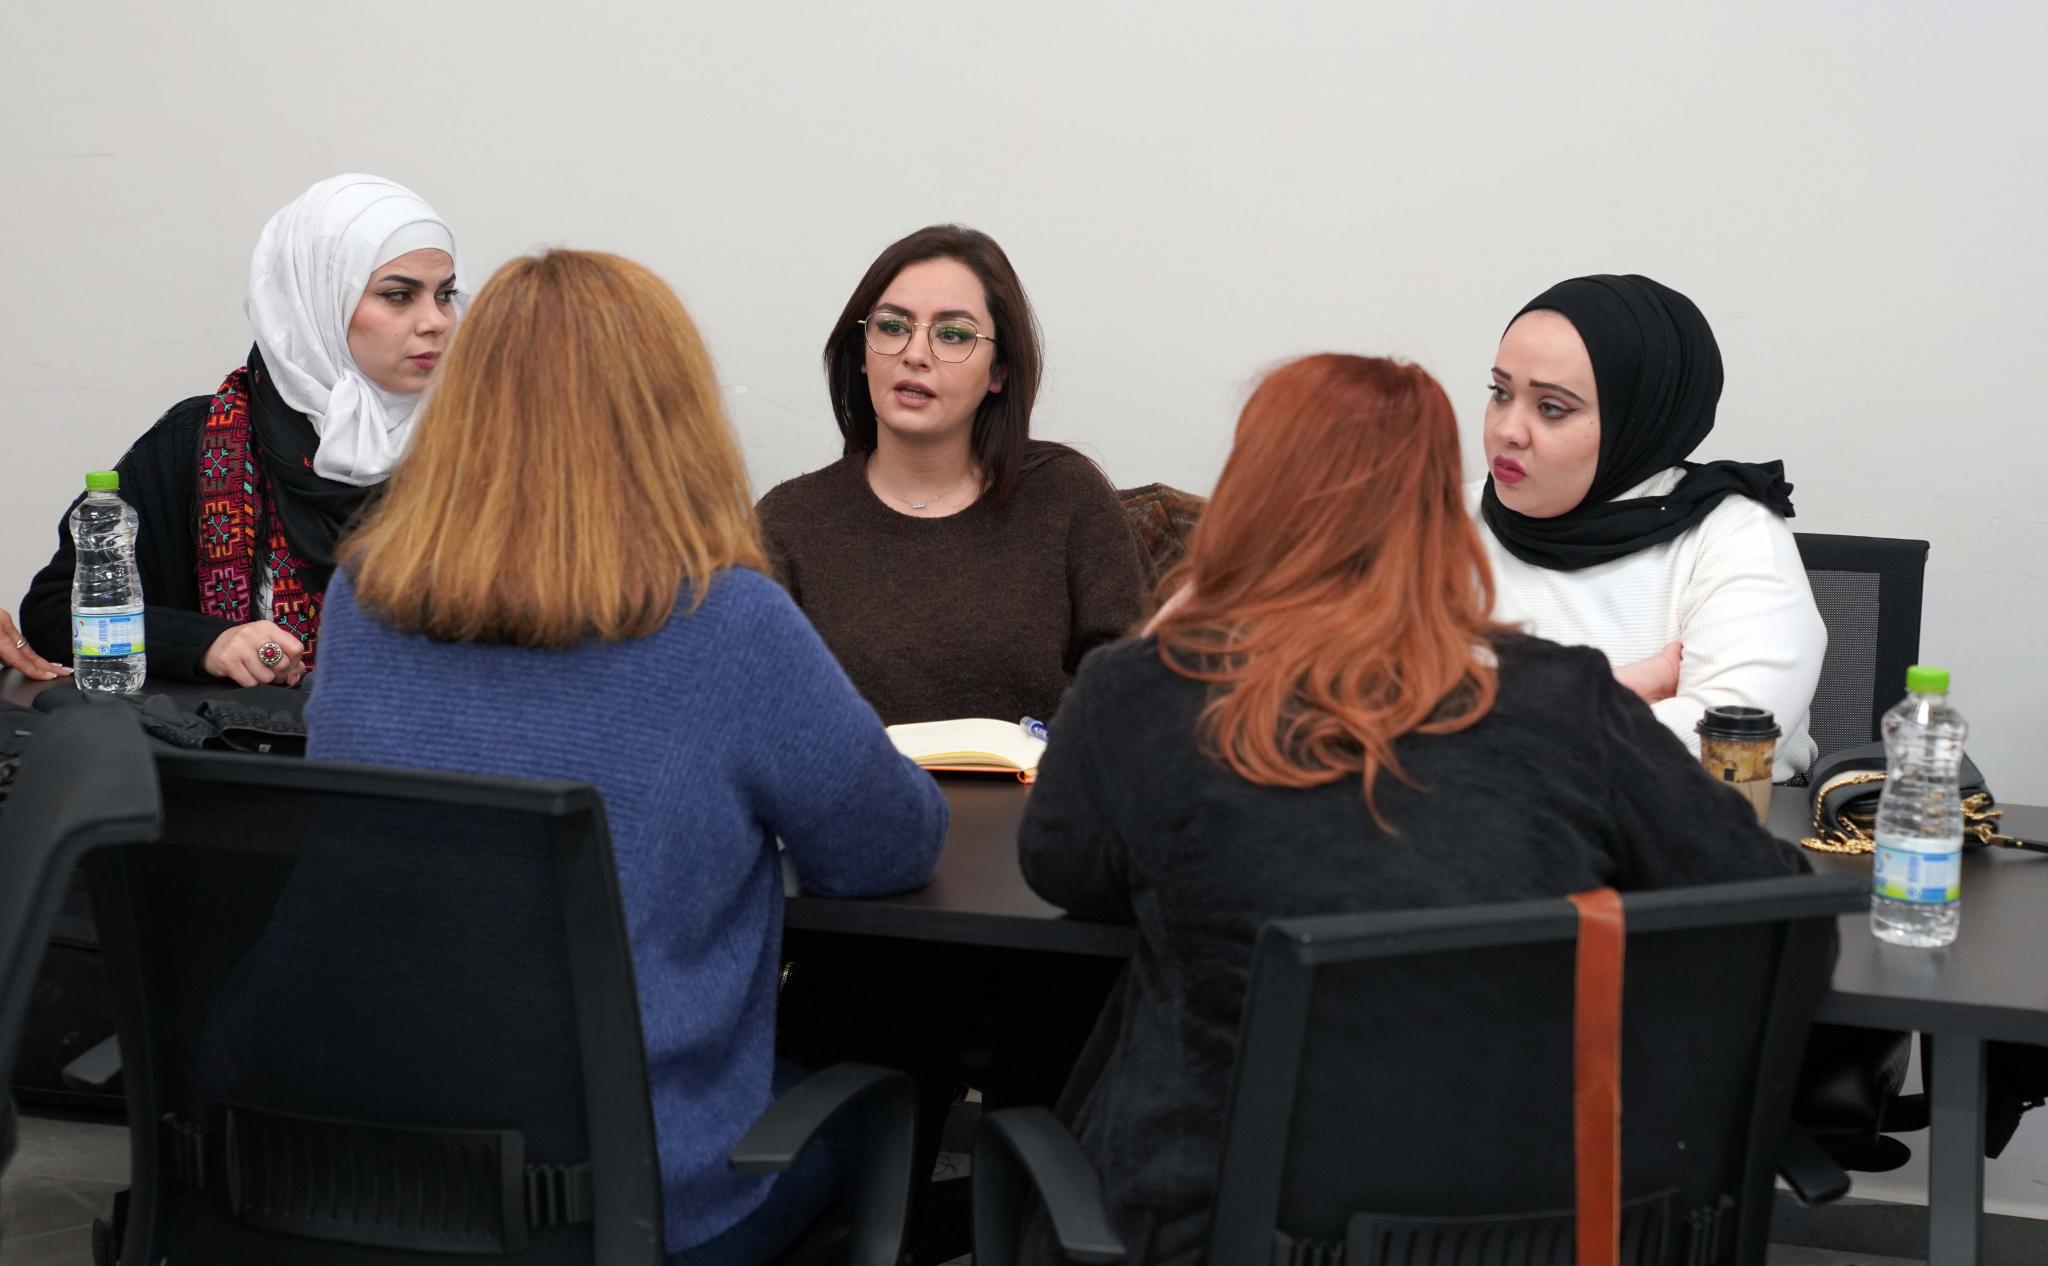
(1654, 679)
(256, 654)
(15, 654)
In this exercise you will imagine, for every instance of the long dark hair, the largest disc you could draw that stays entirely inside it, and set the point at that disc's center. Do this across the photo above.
(1003, 447)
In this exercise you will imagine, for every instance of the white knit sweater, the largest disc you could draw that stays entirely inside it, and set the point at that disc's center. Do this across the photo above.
(1732, 590)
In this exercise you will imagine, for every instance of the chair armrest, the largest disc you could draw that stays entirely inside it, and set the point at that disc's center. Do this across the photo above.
(1807, 1168)
(1022, 1151)
(96, 1069)
(887, 1108)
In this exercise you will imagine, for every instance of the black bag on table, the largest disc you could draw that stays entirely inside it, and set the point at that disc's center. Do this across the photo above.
(1845, 786)
(265, 720)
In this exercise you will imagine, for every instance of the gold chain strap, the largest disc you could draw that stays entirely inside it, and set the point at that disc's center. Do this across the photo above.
(1848, 837)
(1980, 818)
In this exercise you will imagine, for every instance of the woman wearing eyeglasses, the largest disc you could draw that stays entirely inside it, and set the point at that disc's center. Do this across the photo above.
(955, 566)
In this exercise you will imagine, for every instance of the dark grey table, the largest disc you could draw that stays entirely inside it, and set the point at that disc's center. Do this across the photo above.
(1991, 985)
(17, 689)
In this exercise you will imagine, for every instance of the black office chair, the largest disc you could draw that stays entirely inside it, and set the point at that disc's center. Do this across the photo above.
(7, 1131)
(1403, 1088)
(376, 1016)
(88, 782)
(1868, 591)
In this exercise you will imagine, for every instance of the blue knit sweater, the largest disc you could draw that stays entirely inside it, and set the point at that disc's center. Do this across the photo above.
(729, 727)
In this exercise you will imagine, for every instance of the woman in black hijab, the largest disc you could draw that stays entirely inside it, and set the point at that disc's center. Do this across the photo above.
(1602, 533)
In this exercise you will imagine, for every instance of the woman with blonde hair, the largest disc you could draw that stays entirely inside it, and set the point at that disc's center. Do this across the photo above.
(568, 555)
(1330, 720)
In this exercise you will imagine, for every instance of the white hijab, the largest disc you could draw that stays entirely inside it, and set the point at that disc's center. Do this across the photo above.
(308, 273)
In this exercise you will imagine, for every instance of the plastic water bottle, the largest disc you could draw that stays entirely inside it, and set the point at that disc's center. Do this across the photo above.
(1916, 884)
(106, 591)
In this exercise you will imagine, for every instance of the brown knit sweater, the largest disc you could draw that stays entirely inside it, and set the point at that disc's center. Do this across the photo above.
(982, 613)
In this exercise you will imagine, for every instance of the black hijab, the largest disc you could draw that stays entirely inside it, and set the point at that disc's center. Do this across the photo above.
(315, 510)
(1658, 372)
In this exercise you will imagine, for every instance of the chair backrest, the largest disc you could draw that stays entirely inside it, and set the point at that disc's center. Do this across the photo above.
(377, 1016)
(87, 781)
(1868, 591)
(7, 1130)
(1404, 1079)
(1162, 518)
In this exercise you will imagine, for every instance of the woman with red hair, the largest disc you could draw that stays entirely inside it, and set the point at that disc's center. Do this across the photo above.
(1331, 721)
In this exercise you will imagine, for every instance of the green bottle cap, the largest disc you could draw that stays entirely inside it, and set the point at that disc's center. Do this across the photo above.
(103, 481)
(1925, 679)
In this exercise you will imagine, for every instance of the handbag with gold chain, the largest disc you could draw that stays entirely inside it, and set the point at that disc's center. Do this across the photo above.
(1846, 786)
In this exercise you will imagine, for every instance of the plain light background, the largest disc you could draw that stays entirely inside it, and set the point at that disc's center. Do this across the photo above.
(1854, 193)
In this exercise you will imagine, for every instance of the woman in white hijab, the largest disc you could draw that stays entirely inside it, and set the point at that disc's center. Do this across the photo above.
(242, 494)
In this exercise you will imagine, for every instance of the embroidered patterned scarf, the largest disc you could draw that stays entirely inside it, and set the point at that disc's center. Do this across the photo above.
(240, 529)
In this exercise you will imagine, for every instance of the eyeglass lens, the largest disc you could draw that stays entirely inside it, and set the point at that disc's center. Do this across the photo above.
(952, 339)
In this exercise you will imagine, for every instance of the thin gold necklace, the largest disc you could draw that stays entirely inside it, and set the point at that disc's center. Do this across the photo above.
(919, 505)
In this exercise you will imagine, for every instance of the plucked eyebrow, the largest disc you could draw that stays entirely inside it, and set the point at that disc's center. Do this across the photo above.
(1498, 372)
(400, 279)
(936, 316)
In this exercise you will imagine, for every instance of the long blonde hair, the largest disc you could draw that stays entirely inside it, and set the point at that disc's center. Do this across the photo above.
(573, 468)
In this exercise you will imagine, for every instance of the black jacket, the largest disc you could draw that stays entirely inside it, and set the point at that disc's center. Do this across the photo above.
(1568, 783)
(160, 478)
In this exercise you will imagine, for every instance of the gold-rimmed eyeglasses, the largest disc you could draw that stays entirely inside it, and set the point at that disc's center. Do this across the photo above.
(951, 338)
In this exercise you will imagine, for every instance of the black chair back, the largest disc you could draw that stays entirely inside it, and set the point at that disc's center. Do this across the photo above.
(7, 1130)
(86, 782)
(375, 1016)
(1868, 591)
(1404, 1083)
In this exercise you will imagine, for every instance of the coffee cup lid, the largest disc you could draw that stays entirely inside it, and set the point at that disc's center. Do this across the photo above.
(1734, 721)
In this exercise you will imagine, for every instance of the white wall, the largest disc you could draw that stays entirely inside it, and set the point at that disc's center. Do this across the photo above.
(1853, 192)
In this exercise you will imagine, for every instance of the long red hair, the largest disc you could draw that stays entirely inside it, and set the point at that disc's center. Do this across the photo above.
(1337, 595)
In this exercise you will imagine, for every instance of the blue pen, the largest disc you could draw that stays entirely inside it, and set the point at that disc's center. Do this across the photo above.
(1036, 729)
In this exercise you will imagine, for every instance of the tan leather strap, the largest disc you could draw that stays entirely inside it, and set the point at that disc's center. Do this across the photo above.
(1596, 1076)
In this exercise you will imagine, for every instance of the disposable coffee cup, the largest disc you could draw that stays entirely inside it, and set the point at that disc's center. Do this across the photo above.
(1738, 746)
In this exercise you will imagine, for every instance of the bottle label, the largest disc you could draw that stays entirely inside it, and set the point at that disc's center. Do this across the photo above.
(1925, 872)
(104, 636)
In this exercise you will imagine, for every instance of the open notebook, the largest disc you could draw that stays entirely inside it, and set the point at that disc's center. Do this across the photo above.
(976, 744)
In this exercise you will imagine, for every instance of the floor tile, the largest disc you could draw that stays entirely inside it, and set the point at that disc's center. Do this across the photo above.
(36, 1206)
(72, 1247)
(63, 1175)
(56, 1147)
